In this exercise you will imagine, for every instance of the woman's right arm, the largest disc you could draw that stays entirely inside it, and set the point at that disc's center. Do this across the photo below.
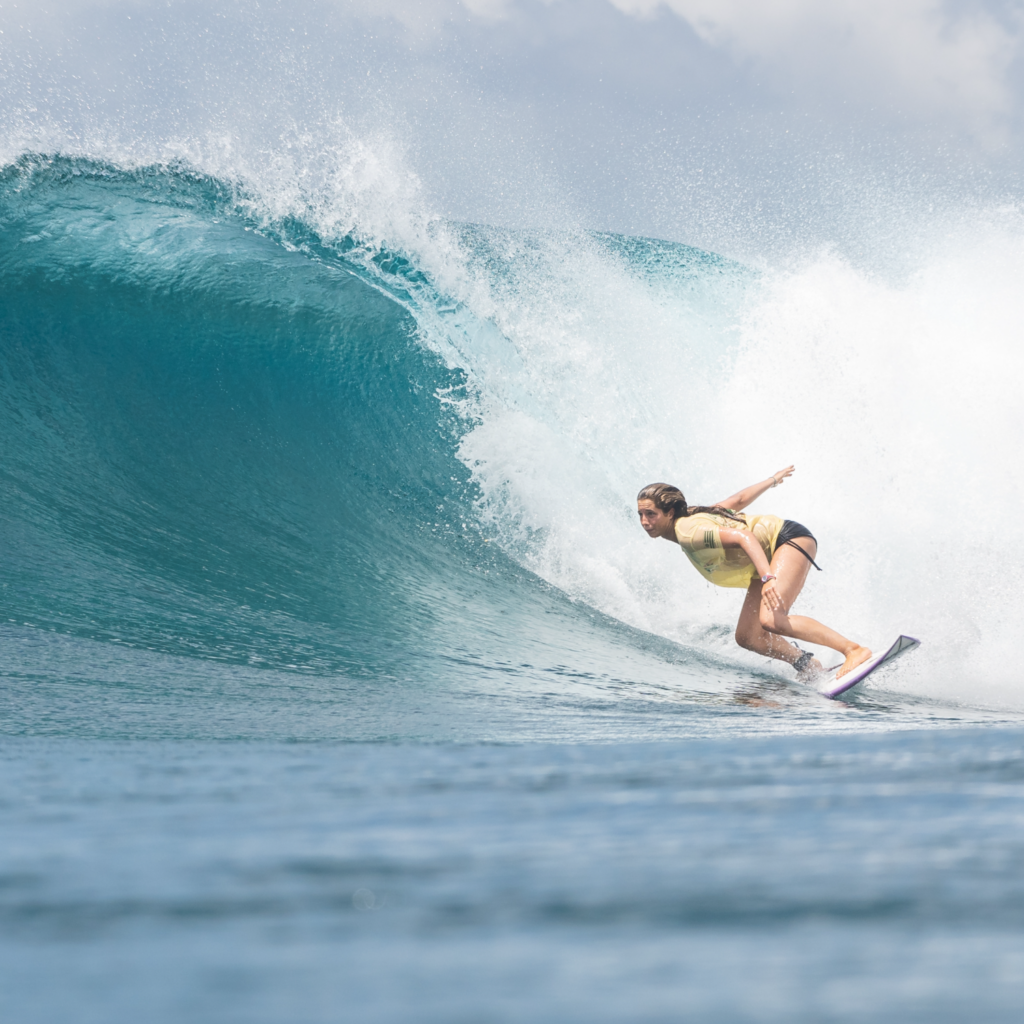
(741, 499)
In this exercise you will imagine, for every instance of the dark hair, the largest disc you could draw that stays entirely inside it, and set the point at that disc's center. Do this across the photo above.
(670, 499)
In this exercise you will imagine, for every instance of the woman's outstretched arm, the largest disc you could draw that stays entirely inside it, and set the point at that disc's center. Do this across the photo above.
(741, 499)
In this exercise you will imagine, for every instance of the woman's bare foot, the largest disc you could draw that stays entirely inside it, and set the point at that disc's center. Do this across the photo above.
(856, 657)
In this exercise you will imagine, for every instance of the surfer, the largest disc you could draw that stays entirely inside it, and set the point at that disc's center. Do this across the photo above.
(768, 555)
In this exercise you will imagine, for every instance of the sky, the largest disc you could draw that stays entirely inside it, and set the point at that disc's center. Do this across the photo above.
(733, 124)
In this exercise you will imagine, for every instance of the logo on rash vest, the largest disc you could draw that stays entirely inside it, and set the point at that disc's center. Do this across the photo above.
(709, 538)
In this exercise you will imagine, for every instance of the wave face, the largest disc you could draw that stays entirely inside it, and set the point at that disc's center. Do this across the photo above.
(205, 427)
(309, 461)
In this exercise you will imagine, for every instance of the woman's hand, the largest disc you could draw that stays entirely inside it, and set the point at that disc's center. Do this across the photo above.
(779, 475)
(770, 596)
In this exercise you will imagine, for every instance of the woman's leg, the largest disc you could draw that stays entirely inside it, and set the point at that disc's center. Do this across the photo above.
(790, 568)
(752, 636)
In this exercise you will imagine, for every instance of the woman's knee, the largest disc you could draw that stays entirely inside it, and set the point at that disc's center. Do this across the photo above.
(768, 621)
(747, 639)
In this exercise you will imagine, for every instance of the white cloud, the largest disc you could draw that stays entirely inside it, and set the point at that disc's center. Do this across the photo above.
(488, 8)
(425, 18)
(918, 55)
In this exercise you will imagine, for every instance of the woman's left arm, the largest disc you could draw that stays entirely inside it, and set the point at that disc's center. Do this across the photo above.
(746, 540)
(741, 499)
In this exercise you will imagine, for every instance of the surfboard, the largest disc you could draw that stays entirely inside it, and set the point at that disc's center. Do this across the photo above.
(834, 687)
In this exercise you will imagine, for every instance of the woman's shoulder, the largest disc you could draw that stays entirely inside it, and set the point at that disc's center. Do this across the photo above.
(687, 526)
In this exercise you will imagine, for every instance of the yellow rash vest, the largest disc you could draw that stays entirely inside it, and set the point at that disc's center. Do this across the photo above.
(699, 536)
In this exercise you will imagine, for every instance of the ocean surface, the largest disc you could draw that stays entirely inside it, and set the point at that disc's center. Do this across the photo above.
(338, 681)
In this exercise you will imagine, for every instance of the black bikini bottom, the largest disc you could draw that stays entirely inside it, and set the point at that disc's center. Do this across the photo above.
(789, 532)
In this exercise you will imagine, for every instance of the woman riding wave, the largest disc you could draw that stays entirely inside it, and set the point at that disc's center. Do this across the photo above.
(768, 555)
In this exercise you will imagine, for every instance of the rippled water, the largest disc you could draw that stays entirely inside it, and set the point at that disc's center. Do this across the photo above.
(792, 878)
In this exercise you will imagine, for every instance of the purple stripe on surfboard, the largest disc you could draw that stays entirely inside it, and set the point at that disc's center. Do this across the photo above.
(861, 672)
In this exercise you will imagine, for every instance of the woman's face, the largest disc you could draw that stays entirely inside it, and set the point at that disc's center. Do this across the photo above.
(655, 522)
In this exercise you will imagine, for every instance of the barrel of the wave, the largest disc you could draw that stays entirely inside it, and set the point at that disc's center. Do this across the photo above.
(231, 452)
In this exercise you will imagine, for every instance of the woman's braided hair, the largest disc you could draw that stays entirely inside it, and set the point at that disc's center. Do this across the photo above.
(670, 499)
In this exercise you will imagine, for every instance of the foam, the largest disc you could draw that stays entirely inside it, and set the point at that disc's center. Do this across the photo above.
(897, 398)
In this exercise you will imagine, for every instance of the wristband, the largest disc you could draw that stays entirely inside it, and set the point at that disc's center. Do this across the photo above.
(768, 576)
